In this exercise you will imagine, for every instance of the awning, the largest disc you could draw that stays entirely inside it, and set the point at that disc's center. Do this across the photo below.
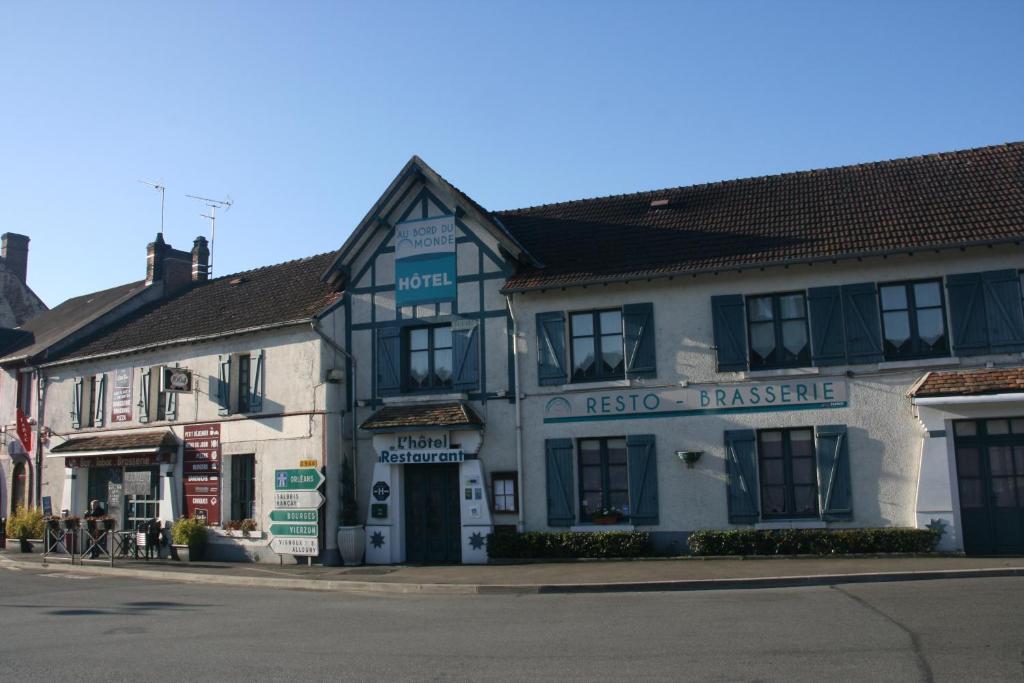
(139, 443)
(454, 415)
(980, 382)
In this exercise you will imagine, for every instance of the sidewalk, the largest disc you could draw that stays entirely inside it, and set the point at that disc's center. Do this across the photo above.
(562, 577)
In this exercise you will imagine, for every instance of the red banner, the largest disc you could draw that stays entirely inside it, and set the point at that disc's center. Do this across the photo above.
(24, 431)
(201, 470)
(121, 400)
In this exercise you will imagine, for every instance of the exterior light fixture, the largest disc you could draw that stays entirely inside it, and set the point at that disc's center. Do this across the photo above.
(689, 457)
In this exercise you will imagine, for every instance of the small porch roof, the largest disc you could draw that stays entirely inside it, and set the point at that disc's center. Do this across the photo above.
(118, 444)
(455, 414)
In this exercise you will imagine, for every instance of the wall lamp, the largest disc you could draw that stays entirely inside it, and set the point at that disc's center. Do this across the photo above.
(689, 457)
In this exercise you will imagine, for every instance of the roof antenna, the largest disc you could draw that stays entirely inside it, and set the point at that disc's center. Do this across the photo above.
(162, 190)
(213, 205)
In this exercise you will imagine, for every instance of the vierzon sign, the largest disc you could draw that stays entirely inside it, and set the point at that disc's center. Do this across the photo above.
(425, 261)
(716, 399)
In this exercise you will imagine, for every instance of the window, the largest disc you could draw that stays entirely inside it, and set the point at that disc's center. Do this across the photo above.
(786, 464)
(604, 480)
(503, 492)
(596, 343)
(429, 358)
(913, 320)
(25, 393)
(243, 486)
(244, 403)
(777, 330)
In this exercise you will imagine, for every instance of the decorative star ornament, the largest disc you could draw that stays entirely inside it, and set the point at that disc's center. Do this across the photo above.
(476, 540)
(937, 525)
(377, 539)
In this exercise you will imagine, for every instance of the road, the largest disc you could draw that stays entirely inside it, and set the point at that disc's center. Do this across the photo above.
(60, 626)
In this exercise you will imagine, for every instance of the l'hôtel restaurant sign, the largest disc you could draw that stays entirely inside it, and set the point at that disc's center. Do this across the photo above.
(422, 449)
(425, 261)
(712, 399)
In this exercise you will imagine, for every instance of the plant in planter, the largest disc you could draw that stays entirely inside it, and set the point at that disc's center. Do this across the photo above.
(247, 526)
(71, 522)
(233, 525)
(608, 515)
(351, 537)
(188, 537)
(24, 524)
(53, 523)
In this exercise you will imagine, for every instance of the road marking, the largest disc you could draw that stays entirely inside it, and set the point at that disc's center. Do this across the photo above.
(61, 575)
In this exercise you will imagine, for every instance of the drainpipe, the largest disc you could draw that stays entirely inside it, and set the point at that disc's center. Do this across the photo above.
(520, 524)
(315, 324)
(40, 393)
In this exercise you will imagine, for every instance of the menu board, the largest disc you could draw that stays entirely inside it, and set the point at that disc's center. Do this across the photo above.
(201, 472)
(121, 400)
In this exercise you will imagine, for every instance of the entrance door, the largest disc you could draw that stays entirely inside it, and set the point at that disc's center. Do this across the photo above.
(141, 507)
(990, 472)
(433, 525)
(19, 484)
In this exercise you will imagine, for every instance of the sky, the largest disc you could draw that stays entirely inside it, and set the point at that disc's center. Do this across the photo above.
(303, 112)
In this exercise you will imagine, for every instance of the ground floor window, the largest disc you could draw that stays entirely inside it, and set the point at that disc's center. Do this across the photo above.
(243, 486)
(141, 507)
(604, 479)
(787, 469)
(504, 494)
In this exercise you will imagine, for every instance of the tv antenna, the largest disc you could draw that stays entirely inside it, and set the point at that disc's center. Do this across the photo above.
(162, 190)
(213, 205)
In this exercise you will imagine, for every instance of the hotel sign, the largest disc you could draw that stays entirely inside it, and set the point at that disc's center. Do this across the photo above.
(421, 449)
(425, 261)
(710, 399)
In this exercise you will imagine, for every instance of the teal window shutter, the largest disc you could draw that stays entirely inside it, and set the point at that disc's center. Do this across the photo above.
(223, 385)
(76, 404)
(828, 334)
(559, 482)
(638, 329)
(730, 330)
(1003, 311)
(967, 314)
(101, 401)
(740, 469)
(551, 367)
(466, 357)
(835, 496)
(862, 323)
(144, 378)
(256, 386)
(389, 361)
(643, 479)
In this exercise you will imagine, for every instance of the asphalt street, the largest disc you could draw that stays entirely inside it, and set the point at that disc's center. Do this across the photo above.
(61, 626)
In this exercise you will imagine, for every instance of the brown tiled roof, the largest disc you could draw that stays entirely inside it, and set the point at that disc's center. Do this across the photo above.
(973, 196)
(163, 440)
(970, 382)
(283, 293)
(455, 414)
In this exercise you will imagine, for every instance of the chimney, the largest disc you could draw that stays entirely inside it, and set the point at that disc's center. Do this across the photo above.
(200, 260)
(14, 251)
(168, 266)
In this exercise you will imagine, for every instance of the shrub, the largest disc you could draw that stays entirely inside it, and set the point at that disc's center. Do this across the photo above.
(188, 531)
(812, 541)
(25, 523)
(510, 545)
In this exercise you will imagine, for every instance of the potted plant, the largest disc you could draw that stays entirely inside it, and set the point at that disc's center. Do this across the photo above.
(247, 526)
(24, 524)
(71, 522)
(53, 524)
(188, 539)
(608, 515)
(351, 536)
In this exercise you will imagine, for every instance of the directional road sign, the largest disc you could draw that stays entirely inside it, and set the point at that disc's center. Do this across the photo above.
(293, 529)
(295, 546)
(311, 516)
(293, 500)
(301, 479)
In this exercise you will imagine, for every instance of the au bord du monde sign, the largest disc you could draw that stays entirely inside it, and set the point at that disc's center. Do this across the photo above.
(425, 261)
(755, 397)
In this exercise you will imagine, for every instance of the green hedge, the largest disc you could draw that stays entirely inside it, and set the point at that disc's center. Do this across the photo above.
(812, 541)
(509, 545)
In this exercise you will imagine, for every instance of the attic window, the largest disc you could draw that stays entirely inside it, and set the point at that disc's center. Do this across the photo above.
(659, 203)
(235, 281)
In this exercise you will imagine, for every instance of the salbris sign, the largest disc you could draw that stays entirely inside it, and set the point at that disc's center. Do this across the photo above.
(754, 397)
(425, 261)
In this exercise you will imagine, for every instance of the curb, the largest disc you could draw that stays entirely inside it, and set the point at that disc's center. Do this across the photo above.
(385, 588)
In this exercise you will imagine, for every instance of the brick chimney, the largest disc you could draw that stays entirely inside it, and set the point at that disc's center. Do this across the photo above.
(167, 265)
(200, 260)
(14, 251)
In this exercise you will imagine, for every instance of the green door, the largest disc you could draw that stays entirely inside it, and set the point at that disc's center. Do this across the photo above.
(990, 475)
(432, 519)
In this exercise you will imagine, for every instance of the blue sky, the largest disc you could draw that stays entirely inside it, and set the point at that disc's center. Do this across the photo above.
(303, 112)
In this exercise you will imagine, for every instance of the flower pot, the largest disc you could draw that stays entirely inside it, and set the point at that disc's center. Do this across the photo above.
(351, 544)
(188, 553)
(26, 546)
(606, 519)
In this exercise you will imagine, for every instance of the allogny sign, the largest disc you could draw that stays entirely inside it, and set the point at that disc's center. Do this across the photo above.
(421, 449)
(717, 399)
(425, 261)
